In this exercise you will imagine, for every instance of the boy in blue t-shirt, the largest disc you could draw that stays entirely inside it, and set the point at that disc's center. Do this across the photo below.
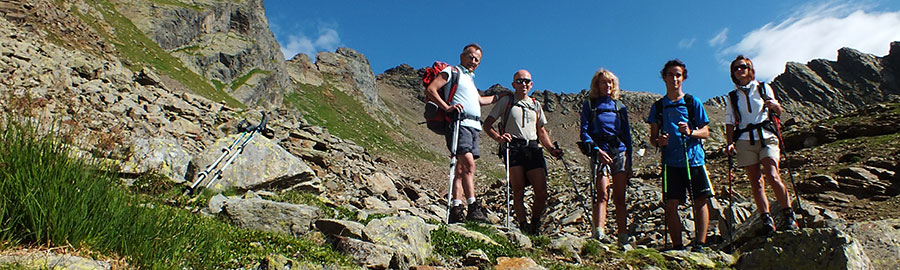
(683, 123)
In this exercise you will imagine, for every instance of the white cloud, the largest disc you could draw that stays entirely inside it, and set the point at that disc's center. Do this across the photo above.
(686, 43)
(327, 40)
(816, 32)
(719, 39)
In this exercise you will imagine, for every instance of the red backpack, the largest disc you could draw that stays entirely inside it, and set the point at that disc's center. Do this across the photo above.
(436, 119)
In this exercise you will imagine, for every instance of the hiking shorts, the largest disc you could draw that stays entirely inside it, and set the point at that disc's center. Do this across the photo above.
(528, 157)
(752, 154)
(467, 142)
(618, 164)
(675, 183)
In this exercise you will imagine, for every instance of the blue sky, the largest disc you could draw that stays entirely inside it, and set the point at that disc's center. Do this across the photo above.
(563, 43)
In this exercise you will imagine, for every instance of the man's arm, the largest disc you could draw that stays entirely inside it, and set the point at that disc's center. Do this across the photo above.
(485, 100)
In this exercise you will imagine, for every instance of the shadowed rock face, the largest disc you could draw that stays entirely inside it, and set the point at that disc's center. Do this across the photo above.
(223, 41)
(823, 88)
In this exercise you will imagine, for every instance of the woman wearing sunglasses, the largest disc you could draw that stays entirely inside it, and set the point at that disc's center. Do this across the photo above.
(751, 135)
(606, 136)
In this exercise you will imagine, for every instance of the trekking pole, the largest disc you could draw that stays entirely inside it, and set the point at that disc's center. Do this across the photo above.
(225, 151)
(592, 185)
(578, 195)
(507, 186)
(453, 146)
(730, 196)
(687, 166)
(662, 161)
(787, 161)
(254, 129)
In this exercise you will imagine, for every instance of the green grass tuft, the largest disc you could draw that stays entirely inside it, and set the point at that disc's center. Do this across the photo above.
(449, 243)
(48, 197)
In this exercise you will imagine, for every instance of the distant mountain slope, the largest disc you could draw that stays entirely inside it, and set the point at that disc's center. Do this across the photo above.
(823, 88)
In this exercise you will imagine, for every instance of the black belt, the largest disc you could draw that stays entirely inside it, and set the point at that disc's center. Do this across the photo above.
(522, 143)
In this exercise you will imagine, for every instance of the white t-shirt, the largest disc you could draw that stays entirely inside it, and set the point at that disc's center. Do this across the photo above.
(757, 113)
(467, 95)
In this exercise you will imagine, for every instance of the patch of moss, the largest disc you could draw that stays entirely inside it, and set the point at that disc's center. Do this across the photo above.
(645, 257)
(448, 243)
(177, 3)
(240, 81)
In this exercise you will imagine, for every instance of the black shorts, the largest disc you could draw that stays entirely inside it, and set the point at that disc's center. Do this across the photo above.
(529, 157)
(675, 183)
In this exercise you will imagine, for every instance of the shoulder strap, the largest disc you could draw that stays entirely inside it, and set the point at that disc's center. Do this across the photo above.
(537, 111)
(689, 103)
(762, 91)
(733, 98)
(509, 103)
(454, 82)
(659, 108)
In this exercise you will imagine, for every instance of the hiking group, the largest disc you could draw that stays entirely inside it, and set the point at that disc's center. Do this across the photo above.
(678, 125)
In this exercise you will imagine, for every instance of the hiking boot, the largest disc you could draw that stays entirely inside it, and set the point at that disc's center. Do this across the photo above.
(790, 224)
(697, 247)
(768, 224)
(477, 213)
(598, 234)
(622, 239)
(456, 214)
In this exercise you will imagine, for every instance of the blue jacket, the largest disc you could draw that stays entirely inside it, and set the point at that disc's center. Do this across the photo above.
(606, 126)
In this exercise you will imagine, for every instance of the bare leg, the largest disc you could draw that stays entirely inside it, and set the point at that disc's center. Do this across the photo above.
(538, 179)
(674, 221)
(770, 167)
(701, 218)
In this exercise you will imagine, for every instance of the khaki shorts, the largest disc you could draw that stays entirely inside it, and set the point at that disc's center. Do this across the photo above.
(752, 154)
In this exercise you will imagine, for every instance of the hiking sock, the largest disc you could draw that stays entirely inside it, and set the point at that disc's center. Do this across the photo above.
(470, 200)
(457, 202)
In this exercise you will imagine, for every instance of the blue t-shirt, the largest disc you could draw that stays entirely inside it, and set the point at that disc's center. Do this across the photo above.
(672, 113)
(606, 125)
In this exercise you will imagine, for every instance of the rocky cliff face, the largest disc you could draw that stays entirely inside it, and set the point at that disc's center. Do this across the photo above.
(823, 88)
(225, 41)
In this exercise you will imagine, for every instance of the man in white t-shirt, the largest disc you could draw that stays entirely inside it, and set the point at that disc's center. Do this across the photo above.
(466, 101)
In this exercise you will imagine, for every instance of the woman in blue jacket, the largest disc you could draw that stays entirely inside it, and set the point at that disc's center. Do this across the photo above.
(605, 129)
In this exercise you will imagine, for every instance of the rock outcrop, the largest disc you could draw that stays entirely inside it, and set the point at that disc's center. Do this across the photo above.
(823, 88)
(229, 42)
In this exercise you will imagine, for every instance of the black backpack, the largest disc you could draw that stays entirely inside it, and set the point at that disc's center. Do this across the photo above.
(767, 125)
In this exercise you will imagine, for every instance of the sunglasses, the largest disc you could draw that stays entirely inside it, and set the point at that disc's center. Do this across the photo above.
(739, 67)
(522, 81)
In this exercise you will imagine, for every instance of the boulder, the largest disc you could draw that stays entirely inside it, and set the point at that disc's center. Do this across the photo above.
(261, 164)
(880, 240)
(821, 249)
(160, 155)
(366, 254)
(337, 227)
(407, 235)
(265, 215)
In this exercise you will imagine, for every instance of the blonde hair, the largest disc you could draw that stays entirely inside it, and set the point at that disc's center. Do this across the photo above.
(606, 75)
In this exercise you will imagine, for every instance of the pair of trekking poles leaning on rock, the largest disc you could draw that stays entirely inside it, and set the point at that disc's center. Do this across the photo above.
(678, 122)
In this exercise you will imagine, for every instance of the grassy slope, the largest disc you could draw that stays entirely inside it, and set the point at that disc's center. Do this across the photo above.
(346, 118)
